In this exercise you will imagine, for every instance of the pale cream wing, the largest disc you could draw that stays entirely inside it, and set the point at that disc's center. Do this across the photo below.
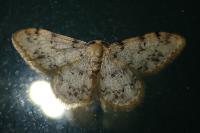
(149, 53)
(46, 51)
(69, 62)
(120, 88)
(74, 84)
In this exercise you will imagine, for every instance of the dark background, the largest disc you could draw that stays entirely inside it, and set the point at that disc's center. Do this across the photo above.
(170, 103)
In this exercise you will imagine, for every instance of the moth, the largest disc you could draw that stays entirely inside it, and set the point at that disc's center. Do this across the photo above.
(81, 71)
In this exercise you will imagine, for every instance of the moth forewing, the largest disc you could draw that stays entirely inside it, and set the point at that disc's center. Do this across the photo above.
(45, 50)
(150, 53)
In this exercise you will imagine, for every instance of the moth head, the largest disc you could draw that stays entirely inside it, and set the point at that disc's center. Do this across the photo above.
(95, 48)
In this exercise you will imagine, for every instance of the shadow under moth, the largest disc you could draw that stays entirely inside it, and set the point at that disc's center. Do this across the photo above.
(80, 71)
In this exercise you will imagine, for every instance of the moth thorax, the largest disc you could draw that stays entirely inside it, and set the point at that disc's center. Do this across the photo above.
(95, 51)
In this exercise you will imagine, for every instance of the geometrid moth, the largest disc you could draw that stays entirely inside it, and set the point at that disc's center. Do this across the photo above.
(81, 70)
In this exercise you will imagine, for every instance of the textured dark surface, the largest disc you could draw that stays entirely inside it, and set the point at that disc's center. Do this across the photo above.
(170, 103)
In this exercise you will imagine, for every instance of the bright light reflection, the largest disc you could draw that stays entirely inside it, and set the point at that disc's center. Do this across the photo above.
(42, 95)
